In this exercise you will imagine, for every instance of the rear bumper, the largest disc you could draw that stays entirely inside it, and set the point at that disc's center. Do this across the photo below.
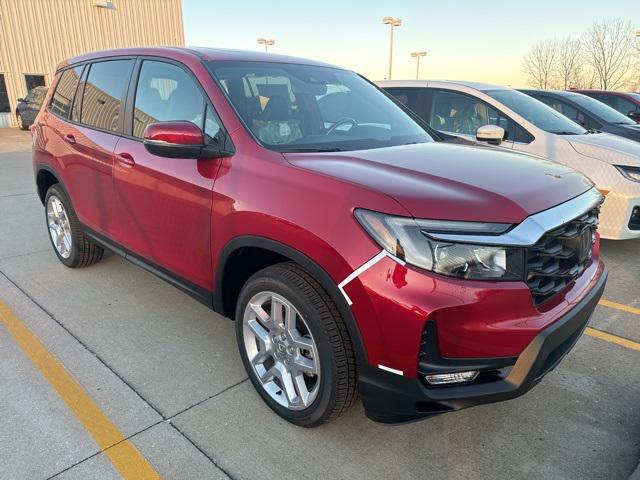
(390, 398)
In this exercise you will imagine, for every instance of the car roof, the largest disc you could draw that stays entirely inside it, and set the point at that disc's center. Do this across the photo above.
(551, 93)
(202, 53)
(440, 83)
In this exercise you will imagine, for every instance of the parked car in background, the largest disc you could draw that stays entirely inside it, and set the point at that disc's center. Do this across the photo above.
(627, 103)
(29, 106)
(509, 118)
(592, 114)
(353, 251)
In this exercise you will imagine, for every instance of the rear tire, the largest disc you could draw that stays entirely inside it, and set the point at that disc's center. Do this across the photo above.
(72, 247)
(313, 338)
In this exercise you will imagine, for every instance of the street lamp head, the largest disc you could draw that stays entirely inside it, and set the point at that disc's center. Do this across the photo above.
(394, 22)
(266, 41)
(421, 53)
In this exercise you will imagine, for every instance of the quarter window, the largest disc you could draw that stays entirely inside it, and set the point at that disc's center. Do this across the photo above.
(165, 92)
(65, 90)
(409, 97)
(103, 94)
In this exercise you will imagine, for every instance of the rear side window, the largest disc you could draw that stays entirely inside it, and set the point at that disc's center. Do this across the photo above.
(65, 91)
(165, 92)
(409, 97)
(103, 94)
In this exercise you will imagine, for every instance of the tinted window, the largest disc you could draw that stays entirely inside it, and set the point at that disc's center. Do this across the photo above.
(601, 110)
(65, 91)
(33, 81)
(409, 97)
(103, 93)
(309, 108)
(165, 92)
(568, 111)
(462, 114)
(4, 98)
(539, 114)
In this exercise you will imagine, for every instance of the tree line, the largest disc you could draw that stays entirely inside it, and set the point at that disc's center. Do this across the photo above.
(606, 57)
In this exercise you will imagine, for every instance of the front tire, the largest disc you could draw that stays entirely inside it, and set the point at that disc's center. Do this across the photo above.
(71, 245)
(295, 346)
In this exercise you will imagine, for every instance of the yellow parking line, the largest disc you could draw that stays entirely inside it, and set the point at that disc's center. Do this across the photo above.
(620, 306)
(608, 337)
(122, 453)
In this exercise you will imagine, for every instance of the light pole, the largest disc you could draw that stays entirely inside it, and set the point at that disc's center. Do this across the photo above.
(392, 22)
(267, 42)
(638, 36)
(417, 56)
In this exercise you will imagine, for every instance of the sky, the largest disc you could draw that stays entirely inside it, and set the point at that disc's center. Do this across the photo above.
(465, 39)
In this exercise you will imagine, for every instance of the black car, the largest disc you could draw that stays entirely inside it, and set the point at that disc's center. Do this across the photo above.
(592, 114)
(29, 106)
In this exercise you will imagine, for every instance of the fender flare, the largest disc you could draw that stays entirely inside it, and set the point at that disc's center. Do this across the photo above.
(320, 275)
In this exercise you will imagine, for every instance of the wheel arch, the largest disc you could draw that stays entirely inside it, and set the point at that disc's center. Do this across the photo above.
(225, 296)
(45, 178)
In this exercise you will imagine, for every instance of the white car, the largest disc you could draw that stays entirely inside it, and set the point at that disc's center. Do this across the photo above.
(503, 116)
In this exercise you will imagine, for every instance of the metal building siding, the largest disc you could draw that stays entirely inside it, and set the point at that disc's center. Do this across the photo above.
(35, 35)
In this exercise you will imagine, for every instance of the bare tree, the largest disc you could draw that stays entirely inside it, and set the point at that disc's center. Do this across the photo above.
(539, 63)
(608, 49)
(568, 67)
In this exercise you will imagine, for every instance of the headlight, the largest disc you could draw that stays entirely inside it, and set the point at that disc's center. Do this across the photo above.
(632, 173)
(408, 239)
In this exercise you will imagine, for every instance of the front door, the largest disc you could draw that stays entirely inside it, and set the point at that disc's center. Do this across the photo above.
(164, 204)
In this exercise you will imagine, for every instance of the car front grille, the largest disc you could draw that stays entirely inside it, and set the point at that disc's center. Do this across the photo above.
(560, 256)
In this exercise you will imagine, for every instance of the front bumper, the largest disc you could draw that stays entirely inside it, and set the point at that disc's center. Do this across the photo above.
(617, 211)
(391, 398)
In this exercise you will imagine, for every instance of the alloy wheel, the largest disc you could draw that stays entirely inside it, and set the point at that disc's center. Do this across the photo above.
(59, 226)
(281, 350)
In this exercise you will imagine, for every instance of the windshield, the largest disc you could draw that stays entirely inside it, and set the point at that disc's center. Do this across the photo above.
(635, 95)
(602, 110)
(536, 112)
(292, 107)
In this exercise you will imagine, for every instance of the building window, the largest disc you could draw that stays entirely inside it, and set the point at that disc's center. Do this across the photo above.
(4, 97)
(33, 81)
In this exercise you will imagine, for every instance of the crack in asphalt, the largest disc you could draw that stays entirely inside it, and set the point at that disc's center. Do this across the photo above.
(156, 409)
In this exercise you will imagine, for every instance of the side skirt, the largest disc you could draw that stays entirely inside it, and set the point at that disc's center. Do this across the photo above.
(203, 295)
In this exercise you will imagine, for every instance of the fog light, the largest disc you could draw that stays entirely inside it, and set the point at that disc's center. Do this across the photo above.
(458, 377)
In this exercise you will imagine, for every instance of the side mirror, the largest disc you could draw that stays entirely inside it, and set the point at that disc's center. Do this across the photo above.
(492, 134)
(20, 99)
(634, 115)
(178, 139)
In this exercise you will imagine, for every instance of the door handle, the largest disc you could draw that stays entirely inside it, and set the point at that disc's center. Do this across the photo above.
(70, 138)
(125, 158)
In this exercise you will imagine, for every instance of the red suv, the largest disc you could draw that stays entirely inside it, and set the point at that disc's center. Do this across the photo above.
(356, 251)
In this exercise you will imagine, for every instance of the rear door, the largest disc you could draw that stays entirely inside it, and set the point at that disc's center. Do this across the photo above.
(89, 134)
(164, 204)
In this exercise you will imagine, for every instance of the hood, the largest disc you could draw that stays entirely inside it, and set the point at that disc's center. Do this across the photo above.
(611, 149)
(453, 182)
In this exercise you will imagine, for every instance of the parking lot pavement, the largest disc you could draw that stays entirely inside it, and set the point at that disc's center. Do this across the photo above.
(163, 370)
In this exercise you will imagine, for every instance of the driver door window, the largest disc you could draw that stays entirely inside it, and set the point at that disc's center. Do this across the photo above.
(165, 92)
(461, 114)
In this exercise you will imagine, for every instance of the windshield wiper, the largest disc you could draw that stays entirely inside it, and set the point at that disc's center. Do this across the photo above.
(563, 132)
(310, 150)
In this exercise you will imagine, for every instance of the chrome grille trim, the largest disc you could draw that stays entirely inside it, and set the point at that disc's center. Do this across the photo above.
(533, 228)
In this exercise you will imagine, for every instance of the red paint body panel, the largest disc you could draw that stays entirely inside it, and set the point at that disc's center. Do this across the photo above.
(179, 214)
(179, 133)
